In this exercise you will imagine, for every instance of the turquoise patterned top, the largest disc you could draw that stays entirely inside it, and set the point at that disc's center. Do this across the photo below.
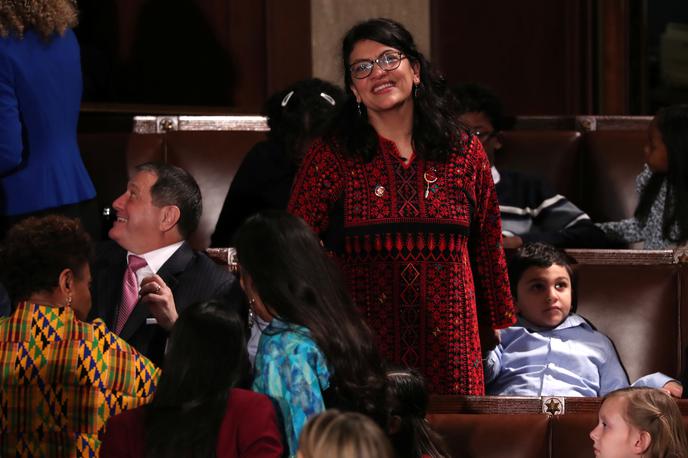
(291, 369)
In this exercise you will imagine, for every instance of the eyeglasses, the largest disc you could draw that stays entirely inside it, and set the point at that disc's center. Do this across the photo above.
(485, 136)
(388, 61)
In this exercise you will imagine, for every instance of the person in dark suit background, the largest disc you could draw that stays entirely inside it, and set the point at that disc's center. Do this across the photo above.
(41, 171)
(148, 273)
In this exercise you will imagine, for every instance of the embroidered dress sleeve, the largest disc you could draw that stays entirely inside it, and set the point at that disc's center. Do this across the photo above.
(11, 145)
(318, 184)
(612, 374)
(493, 296)
(292, 370)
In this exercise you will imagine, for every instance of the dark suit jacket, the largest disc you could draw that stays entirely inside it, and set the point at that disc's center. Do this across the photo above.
(192, 277)
(249, 429)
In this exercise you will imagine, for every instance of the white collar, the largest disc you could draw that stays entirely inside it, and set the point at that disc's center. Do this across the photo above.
(495, 175)
(158, 257)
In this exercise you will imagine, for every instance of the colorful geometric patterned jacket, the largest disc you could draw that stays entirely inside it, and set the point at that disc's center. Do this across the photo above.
(61, 379)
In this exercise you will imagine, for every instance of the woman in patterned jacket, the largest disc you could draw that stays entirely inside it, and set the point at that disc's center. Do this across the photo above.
(61, 378)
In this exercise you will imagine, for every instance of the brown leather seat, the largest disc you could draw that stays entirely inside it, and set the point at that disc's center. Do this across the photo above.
(494, 435)
(611, 161)
(552, 155)
(636, 306)
(213, 159)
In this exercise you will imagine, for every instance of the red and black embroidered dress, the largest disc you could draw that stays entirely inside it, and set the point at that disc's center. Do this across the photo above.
(418, 253)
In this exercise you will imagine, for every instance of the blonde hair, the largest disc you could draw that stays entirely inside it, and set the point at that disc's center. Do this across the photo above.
(336, 434)
(47, 17)
(655, 412)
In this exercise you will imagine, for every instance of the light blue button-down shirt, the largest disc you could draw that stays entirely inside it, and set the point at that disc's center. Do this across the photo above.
(572, 359)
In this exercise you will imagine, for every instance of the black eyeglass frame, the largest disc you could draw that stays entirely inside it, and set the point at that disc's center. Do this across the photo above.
(377, 61)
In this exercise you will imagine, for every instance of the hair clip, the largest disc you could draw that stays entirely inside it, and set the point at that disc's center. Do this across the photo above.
(286, 98)
(328, 98)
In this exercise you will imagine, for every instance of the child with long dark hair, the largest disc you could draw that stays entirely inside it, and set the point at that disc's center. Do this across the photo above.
(407, 427)
(316, 352)
(661, 218)
(197, 409)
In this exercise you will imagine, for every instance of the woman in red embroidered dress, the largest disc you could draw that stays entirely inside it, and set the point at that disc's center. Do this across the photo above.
(406, 200)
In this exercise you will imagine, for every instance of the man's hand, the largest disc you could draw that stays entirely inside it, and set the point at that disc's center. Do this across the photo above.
(158, 297)
(673, 389)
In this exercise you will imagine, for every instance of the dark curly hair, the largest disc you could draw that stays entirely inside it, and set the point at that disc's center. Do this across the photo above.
(301, 112)
(672, 123)
(36, 250)
(294, 276)
(435, 129)
(541, 255)
(47, 17)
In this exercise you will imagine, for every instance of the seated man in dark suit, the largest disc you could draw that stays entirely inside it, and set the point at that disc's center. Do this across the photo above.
(148, 272)
(530, 211)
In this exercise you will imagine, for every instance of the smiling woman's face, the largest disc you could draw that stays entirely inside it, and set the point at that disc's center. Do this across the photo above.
(383, 90)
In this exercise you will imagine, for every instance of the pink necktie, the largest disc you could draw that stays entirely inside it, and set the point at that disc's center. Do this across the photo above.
(130, 291)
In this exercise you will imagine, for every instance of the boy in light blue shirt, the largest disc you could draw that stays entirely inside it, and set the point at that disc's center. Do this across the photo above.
(552, 351)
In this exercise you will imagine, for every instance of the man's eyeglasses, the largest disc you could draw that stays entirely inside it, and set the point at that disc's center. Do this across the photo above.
(388, 61)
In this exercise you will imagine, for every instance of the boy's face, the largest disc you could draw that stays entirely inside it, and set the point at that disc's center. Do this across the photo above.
(544, 295)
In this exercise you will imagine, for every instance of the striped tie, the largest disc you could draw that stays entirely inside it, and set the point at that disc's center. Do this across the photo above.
(130, 291)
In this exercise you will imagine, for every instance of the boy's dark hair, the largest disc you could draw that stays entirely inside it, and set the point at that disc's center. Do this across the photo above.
(540, 255)
(475, 98)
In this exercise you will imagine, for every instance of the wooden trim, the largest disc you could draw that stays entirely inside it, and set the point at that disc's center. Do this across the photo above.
(158, 124)
(151, 121)
(511, 405)
(623, 257)
(614, 62)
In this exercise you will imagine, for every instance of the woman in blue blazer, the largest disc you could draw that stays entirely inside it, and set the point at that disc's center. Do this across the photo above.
(41, 170)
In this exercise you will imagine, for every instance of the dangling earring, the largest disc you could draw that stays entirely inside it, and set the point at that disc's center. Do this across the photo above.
(251, 313)
(415, 90)
(69, 300)
(359, 109)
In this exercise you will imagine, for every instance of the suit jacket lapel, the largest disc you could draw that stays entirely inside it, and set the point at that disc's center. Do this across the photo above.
(169, 273)
(109, 294)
